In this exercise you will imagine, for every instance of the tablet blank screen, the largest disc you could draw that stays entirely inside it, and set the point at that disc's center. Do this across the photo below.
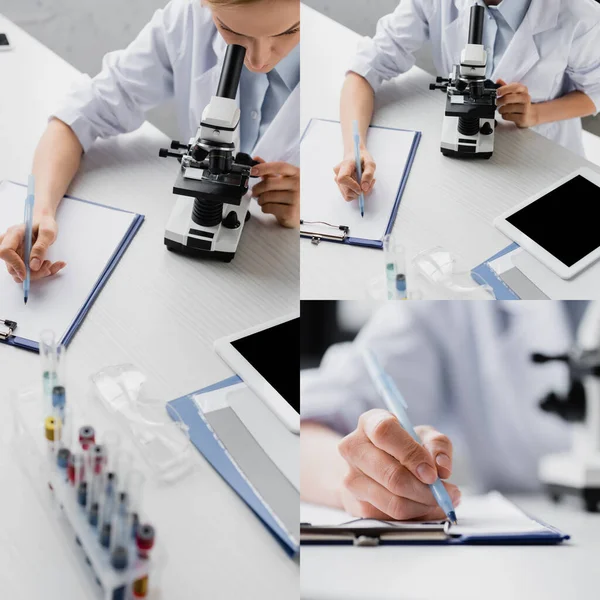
(275, 354)
(565, 221)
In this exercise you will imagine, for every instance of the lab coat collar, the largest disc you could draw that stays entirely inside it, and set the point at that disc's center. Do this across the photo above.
(512, 11)
(522, 53)
(542, 14)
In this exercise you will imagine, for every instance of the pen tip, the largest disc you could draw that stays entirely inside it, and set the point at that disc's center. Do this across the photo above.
(25, 300)
(452, 517)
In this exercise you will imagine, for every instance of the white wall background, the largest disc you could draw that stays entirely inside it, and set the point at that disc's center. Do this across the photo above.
(83, 31)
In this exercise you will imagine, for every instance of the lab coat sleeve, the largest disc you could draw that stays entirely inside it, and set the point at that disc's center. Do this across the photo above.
(131, 81)
(583, 69)
(391, 51)
(340, 390)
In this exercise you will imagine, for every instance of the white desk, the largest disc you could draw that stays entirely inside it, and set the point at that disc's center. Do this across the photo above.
(161, 312)
(463, 572)
(446, 202)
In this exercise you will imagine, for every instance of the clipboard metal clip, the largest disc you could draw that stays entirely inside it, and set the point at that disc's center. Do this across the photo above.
(317, 236)
(7, 328)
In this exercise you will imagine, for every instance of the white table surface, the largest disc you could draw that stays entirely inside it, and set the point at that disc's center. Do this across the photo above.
(567, 570)
(447, 202)
(161, 312)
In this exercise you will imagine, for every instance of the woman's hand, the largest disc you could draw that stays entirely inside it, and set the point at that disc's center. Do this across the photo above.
(388, 472)
(12, 250)
(345, 175)
(278, 193)
(514, 104)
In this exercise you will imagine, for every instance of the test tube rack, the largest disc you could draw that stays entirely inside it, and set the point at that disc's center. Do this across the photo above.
(114, 585)
(40, 462)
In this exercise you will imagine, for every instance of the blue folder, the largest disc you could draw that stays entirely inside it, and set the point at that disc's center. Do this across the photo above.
(484, 272)
(366, 243)
(33, 346)
(208, 445)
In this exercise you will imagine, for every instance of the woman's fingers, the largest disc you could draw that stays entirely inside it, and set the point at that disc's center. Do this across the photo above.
(286, 214)
(439, 446)
(9, 249)
(291, 184)
(398, 508)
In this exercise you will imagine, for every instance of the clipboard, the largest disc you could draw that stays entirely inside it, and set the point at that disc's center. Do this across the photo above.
(209, 446)
(372, 532)
(9, 327)
(437, 533)
(502, 291)
(328, 228)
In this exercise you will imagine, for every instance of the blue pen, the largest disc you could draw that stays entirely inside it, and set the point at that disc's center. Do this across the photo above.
(361, 198)
(396, 404)
(28, 235)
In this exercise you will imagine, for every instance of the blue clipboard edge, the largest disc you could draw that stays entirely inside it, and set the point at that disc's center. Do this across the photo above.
(501, 290)
(377, 244)
(273, 527)
(543, 538)
(31, 346)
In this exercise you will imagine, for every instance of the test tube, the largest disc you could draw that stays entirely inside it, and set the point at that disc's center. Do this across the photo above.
(80, 479)
(59, 402)
(135, 488)
(97, 462)
(63, 451)
(107, 507)
(87, 437)
(48, 359)
(395, 268)
(111, 441)
(120, 539)
(109, 488)
(144, 540)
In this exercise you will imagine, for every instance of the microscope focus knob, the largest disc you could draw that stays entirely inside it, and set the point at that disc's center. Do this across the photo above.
(242, 158)
(539, 358)
(231, 221)
(487, 129)
(571, 408)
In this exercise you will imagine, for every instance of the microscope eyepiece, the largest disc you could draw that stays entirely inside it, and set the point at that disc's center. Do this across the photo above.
(231, 71)
(476, 25)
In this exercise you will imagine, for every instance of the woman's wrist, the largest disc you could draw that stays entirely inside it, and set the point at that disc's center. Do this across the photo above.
(43, 207)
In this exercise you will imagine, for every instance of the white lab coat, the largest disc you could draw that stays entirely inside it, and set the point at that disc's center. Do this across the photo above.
(554, 51)
(464, 368)
(177, 55)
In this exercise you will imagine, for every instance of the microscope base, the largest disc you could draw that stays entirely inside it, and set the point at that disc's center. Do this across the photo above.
(572, 475)
(590, 496)
(185, 236)
(206, 254)
(459, 154)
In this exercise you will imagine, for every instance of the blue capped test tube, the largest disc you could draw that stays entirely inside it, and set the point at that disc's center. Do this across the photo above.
(395, 269)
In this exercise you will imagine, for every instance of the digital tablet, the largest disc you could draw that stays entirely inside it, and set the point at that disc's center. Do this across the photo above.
(267, 359)
(559, 226)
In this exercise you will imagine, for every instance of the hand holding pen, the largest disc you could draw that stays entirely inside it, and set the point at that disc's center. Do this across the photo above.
(12, 249)
(346, 175)
(390, 475)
